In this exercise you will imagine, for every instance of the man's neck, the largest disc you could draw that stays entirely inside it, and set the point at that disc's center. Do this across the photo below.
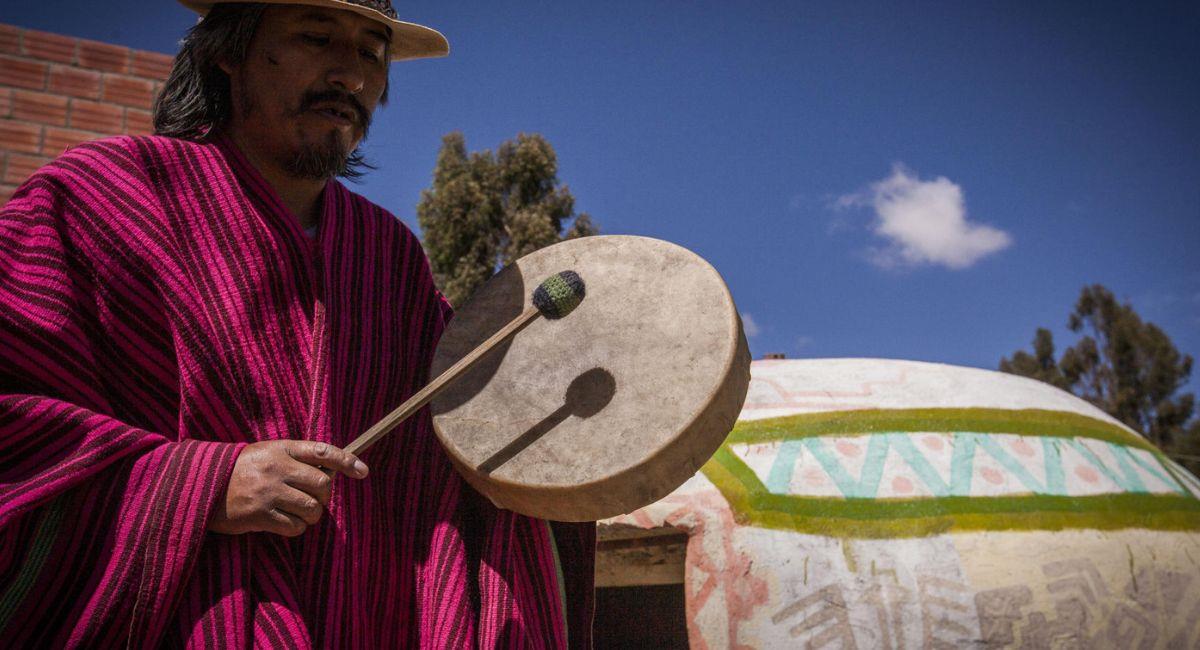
(302, 197)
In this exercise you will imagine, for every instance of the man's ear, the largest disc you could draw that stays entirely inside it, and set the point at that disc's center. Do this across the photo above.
(225, 66)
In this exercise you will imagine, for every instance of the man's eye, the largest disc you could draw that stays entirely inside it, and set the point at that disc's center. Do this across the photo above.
(370, 55)
(315, 39)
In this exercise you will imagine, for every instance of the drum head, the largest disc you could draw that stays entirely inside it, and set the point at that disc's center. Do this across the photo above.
(608, 409)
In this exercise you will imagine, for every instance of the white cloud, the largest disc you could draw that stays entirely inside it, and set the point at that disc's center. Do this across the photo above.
(749, 326)
(924, 222)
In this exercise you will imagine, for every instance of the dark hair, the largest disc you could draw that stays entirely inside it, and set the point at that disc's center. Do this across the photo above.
(195, 100)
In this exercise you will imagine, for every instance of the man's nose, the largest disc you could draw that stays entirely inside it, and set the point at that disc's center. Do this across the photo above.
(346, 73)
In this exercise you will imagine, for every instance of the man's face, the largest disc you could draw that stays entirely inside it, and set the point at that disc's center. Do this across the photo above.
(303, 98)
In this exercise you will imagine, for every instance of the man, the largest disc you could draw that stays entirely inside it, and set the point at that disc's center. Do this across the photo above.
(195, 323)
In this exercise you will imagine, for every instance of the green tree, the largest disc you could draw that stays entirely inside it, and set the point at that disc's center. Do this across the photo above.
(1040, 365)
(485, 210)
(1122, 364)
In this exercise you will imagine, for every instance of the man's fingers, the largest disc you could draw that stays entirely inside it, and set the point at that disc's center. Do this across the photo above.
(284, 523)
(310, 480)
(321, 454)
(294, 502)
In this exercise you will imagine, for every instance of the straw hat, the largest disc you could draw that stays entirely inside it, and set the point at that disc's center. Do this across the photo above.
(409, 40)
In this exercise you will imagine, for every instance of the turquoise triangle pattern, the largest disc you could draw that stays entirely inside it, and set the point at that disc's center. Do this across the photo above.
(1122, 470)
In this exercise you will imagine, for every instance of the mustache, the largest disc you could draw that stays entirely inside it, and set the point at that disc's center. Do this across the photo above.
(312, 98)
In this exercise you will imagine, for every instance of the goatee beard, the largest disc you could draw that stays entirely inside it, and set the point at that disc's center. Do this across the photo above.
(328, 159)
(319, 161)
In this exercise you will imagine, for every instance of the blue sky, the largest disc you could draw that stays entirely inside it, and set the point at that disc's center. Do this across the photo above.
(925, 181)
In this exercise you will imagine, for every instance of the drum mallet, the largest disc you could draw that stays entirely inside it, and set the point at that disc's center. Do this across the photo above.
(557, 296)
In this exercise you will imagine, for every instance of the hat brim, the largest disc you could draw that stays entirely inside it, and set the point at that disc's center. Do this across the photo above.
(409, 40)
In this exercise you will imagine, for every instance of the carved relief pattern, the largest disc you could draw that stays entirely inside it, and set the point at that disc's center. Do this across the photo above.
(1088, 612)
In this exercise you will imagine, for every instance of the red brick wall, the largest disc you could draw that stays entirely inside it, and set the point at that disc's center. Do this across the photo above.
(57, 91)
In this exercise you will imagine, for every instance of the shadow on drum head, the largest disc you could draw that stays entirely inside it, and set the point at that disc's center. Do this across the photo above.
(501, 299)
(586, 396)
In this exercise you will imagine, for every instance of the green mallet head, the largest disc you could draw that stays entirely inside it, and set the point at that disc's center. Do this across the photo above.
(559, 294)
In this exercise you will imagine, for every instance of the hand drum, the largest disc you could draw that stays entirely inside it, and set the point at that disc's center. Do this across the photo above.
(609, 408)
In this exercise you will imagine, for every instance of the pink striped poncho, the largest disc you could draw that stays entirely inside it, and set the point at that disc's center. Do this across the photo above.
(160, 309)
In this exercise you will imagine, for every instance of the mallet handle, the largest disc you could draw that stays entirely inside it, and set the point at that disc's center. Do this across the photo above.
(426, 394)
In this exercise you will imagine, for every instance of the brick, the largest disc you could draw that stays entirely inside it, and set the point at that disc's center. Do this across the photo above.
(102, 56)
(42, 108)
(74, 82)
(48, 47)
(6, 192)
(138, 122)
(59, 140)
(151, 65)
(22, 73)
(96, 116)
(128, 91)
(20, 137)
(10, 39)
(5, 102)
(21, 167)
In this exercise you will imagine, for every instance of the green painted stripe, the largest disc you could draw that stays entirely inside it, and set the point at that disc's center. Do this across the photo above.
(877, 518)
(723, 471)
(1158, 520)
(868, 509)
(1027, 422)
(39, 549)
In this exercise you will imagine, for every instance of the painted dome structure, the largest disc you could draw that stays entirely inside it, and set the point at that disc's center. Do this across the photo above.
(894, 504)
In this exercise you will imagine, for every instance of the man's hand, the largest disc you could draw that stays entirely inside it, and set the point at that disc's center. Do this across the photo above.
(276, 487)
